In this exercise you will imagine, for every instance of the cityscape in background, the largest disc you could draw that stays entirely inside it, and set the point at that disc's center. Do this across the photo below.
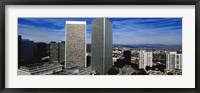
(99, 46)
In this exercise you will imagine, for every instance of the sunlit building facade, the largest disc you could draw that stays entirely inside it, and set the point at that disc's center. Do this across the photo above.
(75, 51)
(145, 59)
(173, 60)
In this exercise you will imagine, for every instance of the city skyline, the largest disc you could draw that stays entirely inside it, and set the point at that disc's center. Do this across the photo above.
(102, 57)
(166, 31)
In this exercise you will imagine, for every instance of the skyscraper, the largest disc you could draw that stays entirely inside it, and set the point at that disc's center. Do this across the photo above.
(173, 60)
(75, 51)
(145, 59)
(178, 63)
(61, 56)
(54, 51)
(101, 48)
(170, 60)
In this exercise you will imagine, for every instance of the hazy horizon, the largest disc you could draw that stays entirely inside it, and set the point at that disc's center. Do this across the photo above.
(166, 31)
(90, 43)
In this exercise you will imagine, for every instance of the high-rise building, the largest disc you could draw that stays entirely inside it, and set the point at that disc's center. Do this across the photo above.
(54, 51)
(173, 60)
(41, 50)
(127, 55)
(42, 68)
(101, 48)
(26, 52)
(27, 49)
(170, 60)
(75, 51)
(123, 60)
(178, 63)
(146, 58)
(61, 55)
(19, 50)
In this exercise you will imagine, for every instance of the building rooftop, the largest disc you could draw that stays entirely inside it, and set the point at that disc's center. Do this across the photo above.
(77, 71)
(32, 68)
(75, 22)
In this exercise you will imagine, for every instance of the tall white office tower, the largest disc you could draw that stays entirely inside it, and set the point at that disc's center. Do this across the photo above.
(173, 60)
(145, 59)
(75, 51)
(101, 48)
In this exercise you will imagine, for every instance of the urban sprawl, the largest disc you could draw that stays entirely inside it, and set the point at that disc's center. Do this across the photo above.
(74, 57)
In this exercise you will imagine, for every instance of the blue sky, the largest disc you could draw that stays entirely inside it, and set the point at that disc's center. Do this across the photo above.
(125, 30)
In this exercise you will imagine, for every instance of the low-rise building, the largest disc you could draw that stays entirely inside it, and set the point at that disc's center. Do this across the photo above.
(44, 68)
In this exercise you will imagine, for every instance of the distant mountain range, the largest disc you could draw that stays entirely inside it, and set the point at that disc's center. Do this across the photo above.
(143, 46)
(147, 46)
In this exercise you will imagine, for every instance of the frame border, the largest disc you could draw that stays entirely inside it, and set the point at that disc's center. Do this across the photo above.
(3, 3)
